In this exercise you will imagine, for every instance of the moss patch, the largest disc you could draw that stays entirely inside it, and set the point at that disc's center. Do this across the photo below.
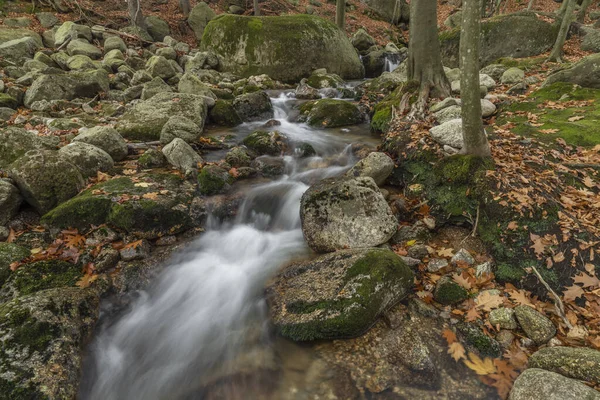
(31, 278)
(10, 253)
(329, 113)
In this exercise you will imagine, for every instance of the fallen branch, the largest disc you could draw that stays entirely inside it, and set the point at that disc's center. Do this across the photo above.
(558, 304)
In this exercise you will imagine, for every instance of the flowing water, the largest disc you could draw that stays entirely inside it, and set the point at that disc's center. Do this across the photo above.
(208, 306)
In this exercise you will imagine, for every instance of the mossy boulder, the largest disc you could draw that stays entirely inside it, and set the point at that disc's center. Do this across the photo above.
(9, 253)
(7, 34)
(15, 142)
(153, 206)
(579, 363)
(88, 158)
(224, 114)
(448, 292)
(7, 100)
(152, 158)
(382, 113)
(213, 180)
(345, 212)
(516, 35)
(330, 113)
(42, 341)
(255, 106)
(277, 47)
(239, 156)
(264, 142)
(476, 339)
(146, 119)
(585, 73)
(319, 80)
(338, 295)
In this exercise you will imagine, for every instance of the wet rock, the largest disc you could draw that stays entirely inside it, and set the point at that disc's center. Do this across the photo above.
(376, 165)
(182, 128)
(337, 295)
(503, 318)
(537, 326)
(448, 292)
(88, 158)
(253, 106)
(344, 212)
(224, 114)
(305, 92)
(139, 251)
(239, 156)
(45, 179)
(579, 363)
(105, 138)
(329, 113)
(264, 142)
(213, 180)
(305, 150)
(537, 384)
(512, 75)
(182, 156)
(269, 166)
(146, 119)
(10, 201)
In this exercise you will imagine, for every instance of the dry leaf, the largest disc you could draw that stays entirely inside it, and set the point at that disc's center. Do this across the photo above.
(572, 293)
(449, 335)
(512, 225)
(480, 366)
(488, 301)
(586, 280)
(444, 252)
(456, 351)
(462, 280)
(576, 118)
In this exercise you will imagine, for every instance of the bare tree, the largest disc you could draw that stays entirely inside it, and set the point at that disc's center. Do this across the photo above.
(135, 13)
(583, 10)
(475, 142)
(340, 14)
(184, 6)
(566, 14)
(256, 8)
(424, 56)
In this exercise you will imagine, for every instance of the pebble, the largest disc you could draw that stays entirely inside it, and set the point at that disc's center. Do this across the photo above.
(462, 256)
(436, 264)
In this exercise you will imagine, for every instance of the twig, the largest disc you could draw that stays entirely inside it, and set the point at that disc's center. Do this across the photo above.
(66, 42)
(558, 304)
(474, 231)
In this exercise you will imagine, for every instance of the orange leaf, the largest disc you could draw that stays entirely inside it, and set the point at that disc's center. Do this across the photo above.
(587, 280)
(480, 366)
(449, 335)
(456, 351)
(488, 301)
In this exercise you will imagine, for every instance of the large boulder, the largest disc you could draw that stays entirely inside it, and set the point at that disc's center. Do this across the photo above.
(10, 201)
(7, 34)
(88, 158)
(157, 27)
(70, 31)
(362, 41)
(18, 51)
(329, 113)
(180, 127)
(199, 18)
(14, 142)
(585, 73)
(45, 179)
(146, 119)
(67, 86)
(515, 35)
(538, 384)
(345, 212)
(450, 133)
(83, 48)
(338, 295)
(276, 46)
(105, 138)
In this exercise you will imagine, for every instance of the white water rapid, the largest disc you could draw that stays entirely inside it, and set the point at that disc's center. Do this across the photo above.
(206, 305)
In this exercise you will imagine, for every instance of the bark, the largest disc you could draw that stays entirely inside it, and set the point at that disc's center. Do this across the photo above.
(256, 8)
(135, 13)
(340, 14)
(184, 6)
(424, 57)
(567, 18)
(475, 142)
(583, 10)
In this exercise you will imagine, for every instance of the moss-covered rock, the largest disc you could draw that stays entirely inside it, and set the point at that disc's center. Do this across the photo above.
(449, 292)
(213, 180)
(516, 35)
(10, 253)
(476, 339)
(585, 72)
(239, 156)
(382, 113)
(275, 46)
(42, 339)
(15, 142)
(578, 363)
(324, 80)
(7, 100)
(329, 113)
(224, 114)
(264, 142)
(338, 295)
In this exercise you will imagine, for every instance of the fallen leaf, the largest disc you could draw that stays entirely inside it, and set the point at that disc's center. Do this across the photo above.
(444, 252)
(587, 280)
(572, 293)
(150, 196)
(449, 335)
(576, 118)
(480, 366)
(487, 301)
(456, 351)
(512, 225)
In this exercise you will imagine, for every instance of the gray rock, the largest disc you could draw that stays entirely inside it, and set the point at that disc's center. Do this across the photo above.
(10, 201)
(152, 158)
(340, 213)
(47, 19)
(154, 87)
(454, 20)
(591, 41)
(376, 165)
(447, 102)
(157, 28)
(138, 252)
(82, 47)
(271, 143)
(537, 384)
(512, 75)
(19, 50)
(487, 108)
(180, 127)
(519, 88)
(435, 264)
(487, 81)
(181, 155)
(167, 52)
(585, 73)
(7, 34)
(199, 18)
(105, 138)
(447, 114)
(202, 61)
(449, 133)
(494, 70)
(158, 66)
(306, 92)
(503, 317)
(418, 251)
(140, 77)
(146, 119)
(107, 259)
(189, 83)
(71, 31)
(88, 158)
(45, 179)
(114, 43)
(14, 142)
(254, 106)
(537, 326)
(579, 363)
(453, 74)
(81, 63)
(362, 41)
(462, 256)
(338, 295)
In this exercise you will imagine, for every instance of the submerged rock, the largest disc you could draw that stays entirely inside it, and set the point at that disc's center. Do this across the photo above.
(264, 142)
(338, 295)
(341, 213)
(538, 384)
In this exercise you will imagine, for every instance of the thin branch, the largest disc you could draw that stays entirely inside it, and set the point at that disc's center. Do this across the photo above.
(558, 304)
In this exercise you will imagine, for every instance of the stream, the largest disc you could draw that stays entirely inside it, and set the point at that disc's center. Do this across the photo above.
(207, 311)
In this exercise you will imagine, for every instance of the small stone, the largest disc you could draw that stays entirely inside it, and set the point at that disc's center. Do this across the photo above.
(483, 269)
(166, 240)
(107, 260)
(537, 326)
(503, 317)
(4, 232)
(429, 223)
(411, 262)
(448, 292)
(512, 75)
(419, 251)
(505, 338)
(182, 156)
(462, 256)
(436, 264)
(136, 252)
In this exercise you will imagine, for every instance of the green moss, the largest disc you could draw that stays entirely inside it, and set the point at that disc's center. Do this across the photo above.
(522, 63)
(509, 273)
(320, 81)
(148, 217)
(382, 114)
(31, 278)
(449, 292)
(475, 337)
(224, 114)
(9, 253)
(329, 113)
(11, 391)
(79, 212)
(212, 180)
(8, 101)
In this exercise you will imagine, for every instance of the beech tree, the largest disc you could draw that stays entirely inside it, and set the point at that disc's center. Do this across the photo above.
(475, 141)
(340, 14)
(134, 8)
(424, 56)
(256, 8)
(583, 10)
(566, 14)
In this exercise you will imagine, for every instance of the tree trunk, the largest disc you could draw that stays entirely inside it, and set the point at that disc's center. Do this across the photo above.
(475, 142)
(424, 57)
(340, 14)
(135, 13)
(185, 7)
(583, 10)
(565, 24)
(256, 8)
